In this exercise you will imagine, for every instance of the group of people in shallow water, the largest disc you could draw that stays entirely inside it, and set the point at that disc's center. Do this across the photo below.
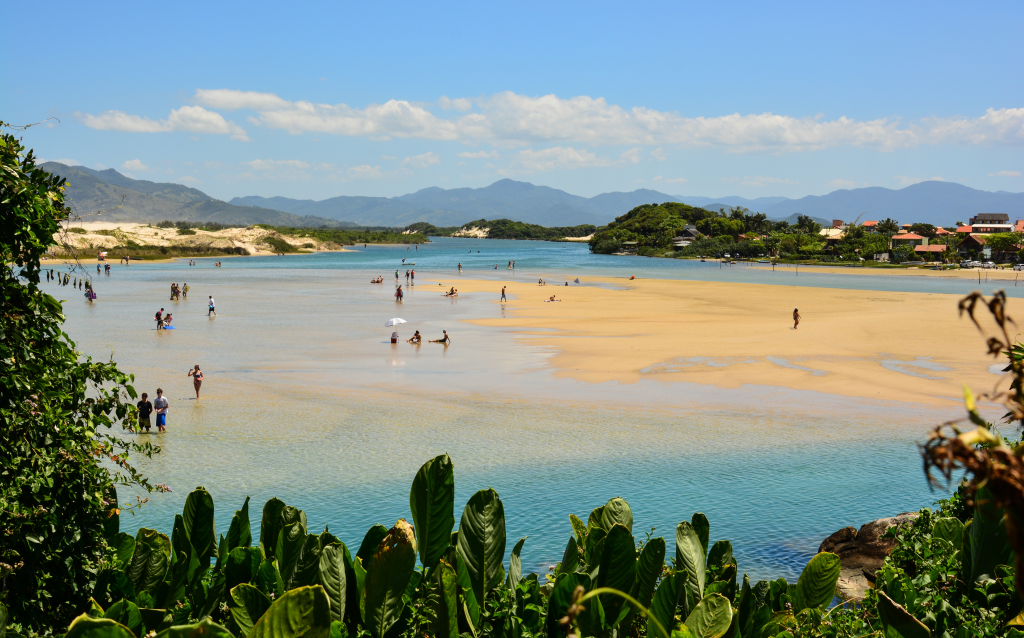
(418, 338)
(179, 292)
(160, 405)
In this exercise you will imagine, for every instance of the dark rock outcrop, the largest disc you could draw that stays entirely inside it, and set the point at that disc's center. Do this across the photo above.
(862, 552)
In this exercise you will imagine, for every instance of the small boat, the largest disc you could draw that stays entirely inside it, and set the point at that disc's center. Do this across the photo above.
(763, 261)
(702, 259)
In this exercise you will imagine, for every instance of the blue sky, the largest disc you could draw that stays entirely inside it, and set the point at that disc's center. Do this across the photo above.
(314, 100)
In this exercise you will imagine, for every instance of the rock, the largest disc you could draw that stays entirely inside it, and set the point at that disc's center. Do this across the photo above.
(862, 552)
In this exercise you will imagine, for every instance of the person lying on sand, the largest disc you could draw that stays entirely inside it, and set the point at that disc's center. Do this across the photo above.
(551, 299)
(446, 340)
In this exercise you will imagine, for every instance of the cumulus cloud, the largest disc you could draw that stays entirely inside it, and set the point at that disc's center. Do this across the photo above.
(479, 154)
(677, 180)
(365, 171)
(422, 161)
(632, 156)
(134, 165)
(267, 165)
(194, 119)
(841, 183)
(659, 154)
(458, 104)
(906, 180)
(997, 174)
(557, 157)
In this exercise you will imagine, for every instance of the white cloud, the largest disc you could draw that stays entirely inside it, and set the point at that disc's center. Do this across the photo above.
(266, 165)
(557, 157)
(194, 119)
(659, 154)
(462, 104)
(479, 154)
(632, 156)
(422, 161)
(841, 183)
(365, 171)
(907, 181)
(229, 100)
(998, 174)
(677, 180)
(134, 165)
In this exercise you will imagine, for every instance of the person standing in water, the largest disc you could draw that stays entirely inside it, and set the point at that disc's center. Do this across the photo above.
(503, 294)
(796, 318)
(212, 310)
(184, 291)
(145, 409)
(161, 405)
(460, 266)
(197, 379)
(413, 277)
(159, 319)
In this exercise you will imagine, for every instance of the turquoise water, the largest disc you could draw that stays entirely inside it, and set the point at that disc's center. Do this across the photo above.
(307, 400)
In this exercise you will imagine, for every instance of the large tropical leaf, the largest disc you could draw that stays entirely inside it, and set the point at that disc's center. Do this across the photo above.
(648, 569)
(594, 547)
(247, 605)
(288, 549)
(387, 576)
(124, 546)
(199, 524)
(301, 612)
(126, 613)
(183, 574)
(690, 554)
(711, 617)
(617, 512)
(747, 607)
(703, 528)
(987, 535)
(239, 534)
(308, 564)
(268, 578)
(579, 528)
(371, 540)
(432, 502)
(150, 560)
(332, 575)
(898, 619)
(594, 520)
(445, 623)
(666, 599)
(618, 570)
(482, 542)
(570, 558)
(270, 526)
(87, 627)
(720, 554)
(515, 566)
(470, 607)
(817, 584)
(950, 529)
(241, 566)
(205, 628)
(561, 596)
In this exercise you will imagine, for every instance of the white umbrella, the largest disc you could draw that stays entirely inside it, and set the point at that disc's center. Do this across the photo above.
(394, 322)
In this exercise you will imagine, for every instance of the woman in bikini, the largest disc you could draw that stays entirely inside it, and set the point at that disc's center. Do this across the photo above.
(197, 379)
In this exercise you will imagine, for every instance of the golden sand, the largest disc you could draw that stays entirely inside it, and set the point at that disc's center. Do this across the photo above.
(882, 345)
(997, 274)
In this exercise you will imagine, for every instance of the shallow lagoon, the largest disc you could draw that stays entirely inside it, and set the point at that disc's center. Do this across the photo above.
(306, 400)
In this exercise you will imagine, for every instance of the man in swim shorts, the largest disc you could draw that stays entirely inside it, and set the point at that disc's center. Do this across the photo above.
(145, 409)
(446, 340)
(503, 294)
(161, 406)
(212, 310)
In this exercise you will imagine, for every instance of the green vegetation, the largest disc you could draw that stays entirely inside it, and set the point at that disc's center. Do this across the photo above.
(507, 229)
(350, 237)
(192, 225)
(60, 452)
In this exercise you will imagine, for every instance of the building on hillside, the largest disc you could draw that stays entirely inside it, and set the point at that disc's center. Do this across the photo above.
(941, 232)
(629, 246)
(931, 252)
(838, 223)
(909, 239)
(871, 227)
(989, 218)
(687, 237)
(980, 228)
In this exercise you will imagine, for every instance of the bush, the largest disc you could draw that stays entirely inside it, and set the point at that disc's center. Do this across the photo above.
(186, 231)
(74, 230)
(608, 246)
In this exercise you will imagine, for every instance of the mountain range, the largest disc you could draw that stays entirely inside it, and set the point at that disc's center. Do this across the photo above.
(938, 203)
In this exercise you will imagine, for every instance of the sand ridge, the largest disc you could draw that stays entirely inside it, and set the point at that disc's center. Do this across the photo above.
(881, 345)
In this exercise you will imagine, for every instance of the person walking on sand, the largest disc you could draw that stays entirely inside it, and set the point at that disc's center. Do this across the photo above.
(413, 277)
(212, 310)
(796, 318)
(197, 379)
(503, 294)
(145, 409)
(159, 318)
(161, 406)
(446, 340)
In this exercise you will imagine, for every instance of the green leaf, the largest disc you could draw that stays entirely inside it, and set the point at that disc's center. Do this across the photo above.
(617, 512)
(182, 573)
(987, 537)
(124, 547)
(579, 528)
(269, 580)
(899, 619)
(570, 558)
(711, 617)
(648, 569)
(594, 520)
(86, 627)
(515, 566)
(270, 526)
(432, 502)
(199, 524)
(721, 554)
(445, 623)
(470, 605)
(247, 605)
(126, 613)
(618, 570)
(690, 555)
(666, 599)
(370, 542)
(817, 584)
(150, 560)
(205, 628)
(111, 523)
(301, 612)
(242, 566)
(595, 547)
(681, 632)
(308, 563)
(950, 529)
(747, 607)
(288, 549)
(240, 534)
(387, 576)
(332, 575)
(561, 597)
(482, 542)
(703, 528)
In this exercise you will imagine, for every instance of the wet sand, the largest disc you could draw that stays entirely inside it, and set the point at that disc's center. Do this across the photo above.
(881, 345)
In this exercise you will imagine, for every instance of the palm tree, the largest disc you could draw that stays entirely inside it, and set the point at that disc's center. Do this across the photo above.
(888, 227)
